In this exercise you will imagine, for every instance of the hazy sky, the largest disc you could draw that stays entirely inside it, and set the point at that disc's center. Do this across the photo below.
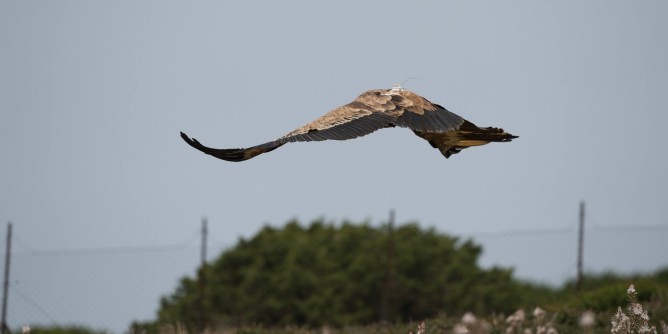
(93, 96)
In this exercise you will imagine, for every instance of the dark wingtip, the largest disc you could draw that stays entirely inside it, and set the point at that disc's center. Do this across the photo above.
(191, 141)
(237, 154)
(185, 137)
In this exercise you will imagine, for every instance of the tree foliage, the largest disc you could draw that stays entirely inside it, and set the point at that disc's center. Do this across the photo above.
(342, 275)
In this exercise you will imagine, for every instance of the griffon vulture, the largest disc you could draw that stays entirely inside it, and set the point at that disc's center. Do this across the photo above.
(373, 110)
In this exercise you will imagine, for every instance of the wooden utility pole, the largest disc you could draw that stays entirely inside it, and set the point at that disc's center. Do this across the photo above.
(201, 282)
(387, 285)
(204, 233)
(5, 286)
(578, 282)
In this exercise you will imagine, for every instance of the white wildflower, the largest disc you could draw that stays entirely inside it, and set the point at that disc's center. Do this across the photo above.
(551, 330)
(519, 315)
(25, 329)
(620, 322)
(515, 322)
(468, 318)
(539, 313)
(644, 316)
(460, 329)
(587, 319)
(636, 308)
(631, 289)
(646, 329)
(421, 328)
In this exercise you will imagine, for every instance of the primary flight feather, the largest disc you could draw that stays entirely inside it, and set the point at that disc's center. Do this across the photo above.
(373, 110)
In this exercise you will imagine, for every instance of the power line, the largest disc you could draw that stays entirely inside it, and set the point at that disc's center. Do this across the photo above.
(565, 230)
(628, 228)
(29, 250)
(522, 232)
(22, 244)
(34, 304)
(111, 250)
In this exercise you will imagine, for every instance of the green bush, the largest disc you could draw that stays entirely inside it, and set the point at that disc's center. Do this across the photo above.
(344, 275)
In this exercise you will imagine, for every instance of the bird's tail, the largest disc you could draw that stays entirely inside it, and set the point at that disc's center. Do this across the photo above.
(467, 135)
(471, 135)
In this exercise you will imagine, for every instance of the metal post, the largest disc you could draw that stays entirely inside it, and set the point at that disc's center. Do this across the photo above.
(5, 287)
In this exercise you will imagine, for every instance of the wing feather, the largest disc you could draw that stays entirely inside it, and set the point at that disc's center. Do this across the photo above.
(345, 122)
(422, 115)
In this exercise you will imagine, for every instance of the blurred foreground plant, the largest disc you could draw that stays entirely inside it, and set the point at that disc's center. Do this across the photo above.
(637, 320)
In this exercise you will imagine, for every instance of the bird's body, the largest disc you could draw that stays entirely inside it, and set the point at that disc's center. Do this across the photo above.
(373, 110)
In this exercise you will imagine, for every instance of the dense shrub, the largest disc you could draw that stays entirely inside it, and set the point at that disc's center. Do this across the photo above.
(342, 275)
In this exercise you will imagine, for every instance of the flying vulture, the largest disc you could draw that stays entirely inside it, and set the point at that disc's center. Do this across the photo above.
(373, 110)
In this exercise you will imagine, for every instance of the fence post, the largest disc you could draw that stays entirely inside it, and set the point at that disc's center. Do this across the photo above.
(201, 282)
(5, 286)
(578, 282)
(387, 284)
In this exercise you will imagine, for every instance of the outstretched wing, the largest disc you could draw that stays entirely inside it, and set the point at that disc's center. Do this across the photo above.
(349, 121)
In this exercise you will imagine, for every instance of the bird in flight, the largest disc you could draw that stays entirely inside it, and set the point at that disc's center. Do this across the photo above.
(374, 110)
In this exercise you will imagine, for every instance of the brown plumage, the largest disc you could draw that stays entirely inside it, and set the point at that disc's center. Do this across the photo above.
(373, 110)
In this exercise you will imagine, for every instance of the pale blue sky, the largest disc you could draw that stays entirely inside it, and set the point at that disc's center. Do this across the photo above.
(93, 95)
